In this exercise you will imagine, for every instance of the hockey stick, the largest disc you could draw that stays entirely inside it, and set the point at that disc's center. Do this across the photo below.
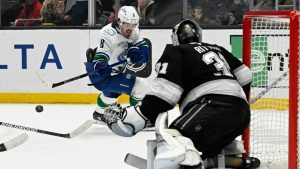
(72, 134)
(83, 75)
(272, 85)
(135, 161)
(14, 142)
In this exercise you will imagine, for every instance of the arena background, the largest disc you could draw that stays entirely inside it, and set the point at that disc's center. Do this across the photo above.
(31, 60)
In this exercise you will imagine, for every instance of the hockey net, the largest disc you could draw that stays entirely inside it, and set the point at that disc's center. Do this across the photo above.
(271, 50)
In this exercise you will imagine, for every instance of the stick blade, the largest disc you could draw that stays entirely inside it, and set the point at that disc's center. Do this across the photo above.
(56, 84)
(14, 142)
(135, 161)
(87, 124)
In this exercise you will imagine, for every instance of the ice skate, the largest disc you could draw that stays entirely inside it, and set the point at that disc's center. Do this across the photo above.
(99, 118)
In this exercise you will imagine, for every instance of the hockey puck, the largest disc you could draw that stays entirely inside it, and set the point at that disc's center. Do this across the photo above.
(39, 108)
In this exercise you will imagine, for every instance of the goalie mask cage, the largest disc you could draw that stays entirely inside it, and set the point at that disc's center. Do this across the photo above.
(271, 50)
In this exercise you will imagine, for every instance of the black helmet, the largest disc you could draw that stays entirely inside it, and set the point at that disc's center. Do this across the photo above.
(185, 32)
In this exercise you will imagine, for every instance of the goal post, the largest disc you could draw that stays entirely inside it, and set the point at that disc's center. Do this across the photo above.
(271, 50)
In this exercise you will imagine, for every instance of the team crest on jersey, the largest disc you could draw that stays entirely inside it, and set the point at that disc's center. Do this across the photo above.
(135, 67)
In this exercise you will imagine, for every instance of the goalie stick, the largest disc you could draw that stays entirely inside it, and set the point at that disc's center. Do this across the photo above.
(272, 85)
(14, 142)
(83, 75)
(72, 134)
(135, 161)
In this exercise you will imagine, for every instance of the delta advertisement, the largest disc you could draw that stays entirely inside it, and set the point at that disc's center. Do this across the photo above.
(32, 60)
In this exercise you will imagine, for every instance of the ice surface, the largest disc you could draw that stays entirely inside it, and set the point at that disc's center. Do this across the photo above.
(96, 148)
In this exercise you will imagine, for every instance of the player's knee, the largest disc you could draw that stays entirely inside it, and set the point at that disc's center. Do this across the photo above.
(140, 88)
(104, 101)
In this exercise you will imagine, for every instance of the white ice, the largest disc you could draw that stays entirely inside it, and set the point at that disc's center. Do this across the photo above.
(96, 148)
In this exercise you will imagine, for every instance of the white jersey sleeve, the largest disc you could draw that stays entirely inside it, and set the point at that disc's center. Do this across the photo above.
(105, 44)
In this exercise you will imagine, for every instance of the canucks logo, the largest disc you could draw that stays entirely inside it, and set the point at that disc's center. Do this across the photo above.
(135, 67)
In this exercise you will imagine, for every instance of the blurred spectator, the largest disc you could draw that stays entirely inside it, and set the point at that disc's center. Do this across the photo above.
(286, 2)
(7, 4)
(53, 12)
(107, 12)
(127, 2)
(77, 11)
(235, 13)
(208, 12)
(31, 10)
(146, 11)
(106, 18)
(265, 5)
(168, 12)
(10, 12)
(194, 14)
(271, 5)
(108, 5)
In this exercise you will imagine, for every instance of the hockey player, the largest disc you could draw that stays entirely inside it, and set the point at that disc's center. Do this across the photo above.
(118, 41)
(210, 86)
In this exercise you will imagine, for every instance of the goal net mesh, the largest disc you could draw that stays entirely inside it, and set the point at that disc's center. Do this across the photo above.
(270, 54)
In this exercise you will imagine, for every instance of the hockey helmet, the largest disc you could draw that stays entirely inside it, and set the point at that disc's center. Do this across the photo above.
(129, 15)
(185, 32)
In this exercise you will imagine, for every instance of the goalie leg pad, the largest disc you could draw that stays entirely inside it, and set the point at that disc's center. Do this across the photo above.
(192, 156)
(173, 149)
(234, 148)
(126, 123)
(168, 157)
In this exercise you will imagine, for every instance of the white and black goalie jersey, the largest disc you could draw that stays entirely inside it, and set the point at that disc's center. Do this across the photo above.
(189, 71)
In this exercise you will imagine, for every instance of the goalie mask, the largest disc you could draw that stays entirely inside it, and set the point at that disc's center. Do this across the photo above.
(185, 32)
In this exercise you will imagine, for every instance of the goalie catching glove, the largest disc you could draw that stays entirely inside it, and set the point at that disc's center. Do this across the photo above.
(125, 122)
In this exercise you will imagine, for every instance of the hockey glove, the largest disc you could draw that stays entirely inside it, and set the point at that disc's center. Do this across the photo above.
(99, 68)
(90, 54)
(138, 54)
(125, 122)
